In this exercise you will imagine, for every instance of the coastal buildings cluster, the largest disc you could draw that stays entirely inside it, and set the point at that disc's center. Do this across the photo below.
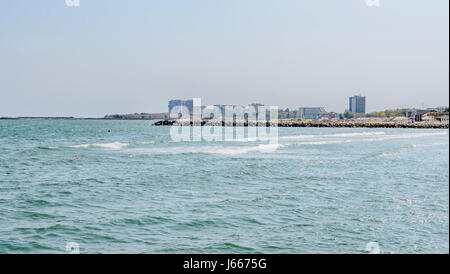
(356, 112)
(138, 116)
(177, 107)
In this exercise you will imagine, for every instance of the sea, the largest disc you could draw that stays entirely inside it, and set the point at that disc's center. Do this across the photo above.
(96, 186)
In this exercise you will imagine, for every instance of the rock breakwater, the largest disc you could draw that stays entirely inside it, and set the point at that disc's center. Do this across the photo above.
(294, 123)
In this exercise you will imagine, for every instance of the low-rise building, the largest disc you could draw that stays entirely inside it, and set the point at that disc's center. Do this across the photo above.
(416, 115)
(310, 113)
(178, 108)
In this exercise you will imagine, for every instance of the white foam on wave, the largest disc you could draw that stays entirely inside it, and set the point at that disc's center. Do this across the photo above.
(298, 137)
(377, 136)
(388, 154)
(266, 148)
(81, 146)
(324, 142)
(384, 138)
(356, 134)
(145, 142)
(243, 140)
(114, 145)
(216, 150)
(305, 137)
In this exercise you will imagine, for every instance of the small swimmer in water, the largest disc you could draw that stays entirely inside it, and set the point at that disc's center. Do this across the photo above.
(109, 130)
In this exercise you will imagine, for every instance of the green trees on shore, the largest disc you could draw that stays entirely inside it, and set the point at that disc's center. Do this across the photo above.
(389, 113)
(348, 114)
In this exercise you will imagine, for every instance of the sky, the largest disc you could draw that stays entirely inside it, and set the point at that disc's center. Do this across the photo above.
(117, 56)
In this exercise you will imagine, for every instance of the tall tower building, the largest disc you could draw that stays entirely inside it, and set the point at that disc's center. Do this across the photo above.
(357, 104)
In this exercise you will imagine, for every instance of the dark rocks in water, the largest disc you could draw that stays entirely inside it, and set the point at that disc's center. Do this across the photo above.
(164, 123)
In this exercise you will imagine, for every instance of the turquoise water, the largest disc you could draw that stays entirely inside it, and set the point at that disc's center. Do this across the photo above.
(133, 190)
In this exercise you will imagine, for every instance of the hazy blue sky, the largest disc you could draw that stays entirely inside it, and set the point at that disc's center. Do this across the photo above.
(117, 56)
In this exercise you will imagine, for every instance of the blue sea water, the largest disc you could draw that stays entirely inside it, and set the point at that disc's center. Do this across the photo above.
(134, 190)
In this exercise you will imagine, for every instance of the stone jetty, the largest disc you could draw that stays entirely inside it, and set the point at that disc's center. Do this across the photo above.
(297, 123)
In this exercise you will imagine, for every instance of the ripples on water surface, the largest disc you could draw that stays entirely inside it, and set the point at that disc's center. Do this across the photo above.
(133, 190)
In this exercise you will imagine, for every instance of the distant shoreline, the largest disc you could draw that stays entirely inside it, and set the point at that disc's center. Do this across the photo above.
(72, 118)
(318, 124)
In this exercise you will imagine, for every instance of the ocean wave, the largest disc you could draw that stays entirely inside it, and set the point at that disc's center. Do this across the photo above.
(366, 133)
(114, 145)
(298, 137)
(47, 148)
(388, 154)
(243, 150)
(406, 136)
(303, 137)
(432, 144)
(324, 142)
(384, 138)
(377, 136)
(216, 150)
(145, 143)
(267, 148)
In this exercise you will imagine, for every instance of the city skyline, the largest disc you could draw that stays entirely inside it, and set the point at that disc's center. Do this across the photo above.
(296, 108)
(83, 62)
